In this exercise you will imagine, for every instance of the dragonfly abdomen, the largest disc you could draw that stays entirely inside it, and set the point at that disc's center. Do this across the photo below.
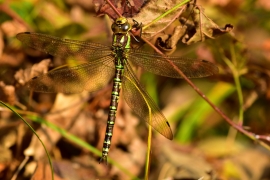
(117, 82)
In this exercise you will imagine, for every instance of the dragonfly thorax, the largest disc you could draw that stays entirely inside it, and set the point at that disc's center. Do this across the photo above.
(119, 52)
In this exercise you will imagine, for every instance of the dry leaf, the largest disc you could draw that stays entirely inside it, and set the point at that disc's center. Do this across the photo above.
(23, 76)
(198, 31)
(182, 165)
(194, 25)
(9, 93)
(127, 8)
(154, 9)
(167, 43)
(43, 172)
(63, 113)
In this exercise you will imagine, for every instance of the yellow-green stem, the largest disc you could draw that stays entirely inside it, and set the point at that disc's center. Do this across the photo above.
(165, 14)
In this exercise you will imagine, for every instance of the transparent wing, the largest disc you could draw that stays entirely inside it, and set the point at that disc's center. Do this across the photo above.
(140, 101)
(90, 76)
(64, 48)
(158, 64)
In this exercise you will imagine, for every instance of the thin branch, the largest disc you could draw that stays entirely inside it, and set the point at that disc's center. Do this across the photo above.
(114, 8)
(228, 120)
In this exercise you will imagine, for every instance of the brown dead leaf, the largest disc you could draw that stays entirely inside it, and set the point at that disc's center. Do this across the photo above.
(11, 28)
(154, 9)
(193, 26)
(198, 30)
(77, 171)
(178, 164)
(63, 113)
(127, 161)
(23, 76)
(11, 57)
(127, 8)
(249, 164)
(134, 157)
(5, 160)
(167, 43)
(252, 164)
(9, 139)
(221, 147)
(43, 172)
(9, 93)
(6, 155)
(81, 165)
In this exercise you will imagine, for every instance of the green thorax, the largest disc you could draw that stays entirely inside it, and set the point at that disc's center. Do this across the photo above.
(121, 40)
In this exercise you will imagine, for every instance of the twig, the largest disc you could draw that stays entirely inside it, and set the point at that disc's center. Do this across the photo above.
(115, 10)
(228, 120)
(21, 166)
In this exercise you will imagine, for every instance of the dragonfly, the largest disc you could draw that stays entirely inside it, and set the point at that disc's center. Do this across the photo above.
(101, 64)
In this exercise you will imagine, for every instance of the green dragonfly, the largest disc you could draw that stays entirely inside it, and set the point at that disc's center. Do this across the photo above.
(101, 63)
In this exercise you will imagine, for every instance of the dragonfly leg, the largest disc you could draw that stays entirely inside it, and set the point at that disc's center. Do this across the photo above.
(136, 25)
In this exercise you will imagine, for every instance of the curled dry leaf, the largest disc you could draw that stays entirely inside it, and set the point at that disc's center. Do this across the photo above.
(23, 76)
(154, 9)
(201, 27)
(193, 25)
(167, 43)
(194, 30)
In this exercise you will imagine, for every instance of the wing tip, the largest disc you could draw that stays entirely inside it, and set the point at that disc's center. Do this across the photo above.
(168, 132)
(170, 137)
(18, 36)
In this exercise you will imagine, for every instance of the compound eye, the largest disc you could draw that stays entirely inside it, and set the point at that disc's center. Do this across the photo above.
(125, 27)
(113, 27)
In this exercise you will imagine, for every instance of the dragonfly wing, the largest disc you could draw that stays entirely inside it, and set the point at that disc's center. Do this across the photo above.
(90, 76)
(64, 48)
(140, 101)
(159, 65)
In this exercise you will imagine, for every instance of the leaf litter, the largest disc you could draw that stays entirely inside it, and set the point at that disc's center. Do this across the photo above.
(129, 144)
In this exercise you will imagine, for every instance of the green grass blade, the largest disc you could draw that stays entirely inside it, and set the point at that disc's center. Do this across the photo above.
(79, 142)
(166, 13)
(200, 110)
(14, 111)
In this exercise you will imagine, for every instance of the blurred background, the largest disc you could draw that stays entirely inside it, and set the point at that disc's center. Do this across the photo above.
(204, 144)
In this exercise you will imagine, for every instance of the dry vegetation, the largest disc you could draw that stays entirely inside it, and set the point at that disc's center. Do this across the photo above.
(236, 37)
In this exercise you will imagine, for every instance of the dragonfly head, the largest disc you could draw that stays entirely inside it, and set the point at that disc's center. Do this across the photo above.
(121, 26)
